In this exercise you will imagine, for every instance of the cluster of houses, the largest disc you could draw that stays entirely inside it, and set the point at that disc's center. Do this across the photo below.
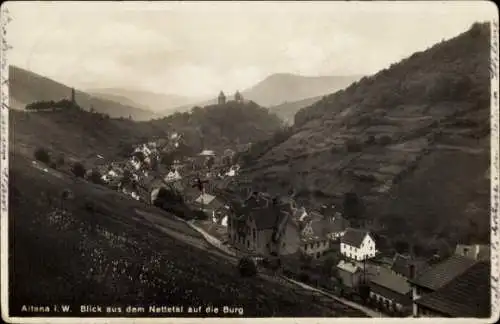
(264, 225)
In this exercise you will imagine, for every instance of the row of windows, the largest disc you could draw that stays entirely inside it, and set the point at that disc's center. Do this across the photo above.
(352, 248)
(315, 245)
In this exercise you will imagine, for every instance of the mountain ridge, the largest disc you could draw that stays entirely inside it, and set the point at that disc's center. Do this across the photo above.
(384, 134)
(280, 88)
(147, 100)
(26, 87)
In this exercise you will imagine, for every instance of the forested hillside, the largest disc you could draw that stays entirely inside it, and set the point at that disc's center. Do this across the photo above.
(412, 141)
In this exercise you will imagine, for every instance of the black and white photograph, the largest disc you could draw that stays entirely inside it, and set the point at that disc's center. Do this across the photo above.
(251, 160)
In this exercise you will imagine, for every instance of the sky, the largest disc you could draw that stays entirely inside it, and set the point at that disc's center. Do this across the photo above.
(196, 49)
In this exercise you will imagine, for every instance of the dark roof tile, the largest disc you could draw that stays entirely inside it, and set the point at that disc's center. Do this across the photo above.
(354, 237)
(467, 295)
(440, 274)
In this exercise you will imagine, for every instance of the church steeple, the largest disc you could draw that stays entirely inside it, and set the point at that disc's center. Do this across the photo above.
(238, 97)
(222, 98)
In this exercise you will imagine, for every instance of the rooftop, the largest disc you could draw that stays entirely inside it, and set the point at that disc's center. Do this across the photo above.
(354, 237)
(467, 295)
(267, 218)
(348, 266)
(442, 273)
(387, 279)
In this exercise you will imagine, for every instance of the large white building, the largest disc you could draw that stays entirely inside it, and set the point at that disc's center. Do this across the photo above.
(357, 245)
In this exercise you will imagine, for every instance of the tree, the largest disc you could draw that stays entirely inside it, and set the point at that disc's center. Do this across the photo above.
(401, 246)
(60, 160)
(210, 162)
(78, 170)
(167, 158)
(384, 140)
(126, 177)
(364, 292)
(247, 267)
(352, 146)
(139, 155)
(95, 177)
(328, 266)
(353, 208)
(42, 155)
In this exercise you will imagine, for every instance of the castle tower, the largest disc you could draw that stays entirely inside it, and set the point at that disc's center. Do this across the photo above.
(238, 97)
(222, 98)
(73, 99)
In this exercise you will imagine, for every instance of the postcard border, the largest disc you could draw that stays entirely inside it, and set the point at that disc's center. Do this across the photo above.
(4, 181)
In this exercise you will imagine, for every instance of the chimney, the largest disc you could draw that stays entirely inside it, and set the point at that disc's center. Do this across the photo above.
(412, 271)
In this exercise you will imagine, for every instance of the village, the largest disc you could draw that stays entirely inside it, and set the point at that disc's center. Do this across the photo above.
(321, 248)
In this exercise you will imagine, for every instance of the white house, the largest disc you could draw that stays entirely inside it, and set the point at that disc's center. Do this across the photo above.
(134, 195)
(357, 244)
(135, 163)
(105, 178)
(173, 176)
(231, 172)
(207, 153)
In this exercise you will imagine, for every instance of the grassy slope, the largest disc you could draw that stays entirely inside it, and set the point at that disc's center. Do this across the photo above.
(424, 104)
(26, 87)
(82, 135)
(126, 260)
(78, 134)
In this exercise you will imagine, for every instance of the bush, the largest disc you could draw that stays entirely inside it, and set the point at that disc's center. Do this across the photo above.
(60, 160)
(95, 177)
(42, 155)
(247, 267)
(78, 170)
(352, 146)
(384, 140)
(304, 277)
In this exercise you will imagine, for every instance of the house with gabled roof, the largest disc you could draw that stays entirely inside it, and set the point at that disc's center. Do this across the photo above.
(211, 205)
(467, 294)
(436, 277)
(357, 244)
(402, 265)
(314, 237)
(474, 251)
(263, 227)
(350, 274)
(390, 290)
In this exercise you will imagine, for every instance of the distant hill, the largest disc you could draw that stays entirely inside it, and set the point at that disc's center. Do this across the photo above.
(282, 89)
(26, 87)
(155, 102)
(222, 126)
(287, 110)
(79, 135)
(83, 135)
(411, 140)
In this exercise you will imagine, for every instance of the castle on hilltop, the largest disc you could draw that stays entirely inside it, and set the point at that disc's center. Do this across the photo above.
(238, 97)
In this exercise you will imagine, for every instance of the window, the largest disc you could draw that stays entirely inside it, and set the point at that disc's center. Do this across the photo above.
(318, 255)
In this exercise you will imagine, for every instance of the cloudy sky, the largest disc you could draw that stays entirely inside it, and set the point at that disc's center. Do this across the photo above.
(199, 48)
